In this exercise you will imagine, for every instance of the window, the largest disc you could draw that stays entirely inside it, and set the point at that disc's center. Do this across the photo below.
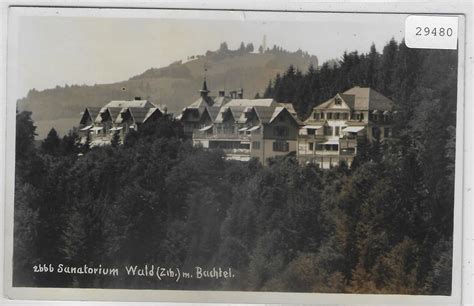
(281, 146)
(328, 130)
(315, 115)
(280, 131)
(337, 130)
(319, 147)
(244, 146)
(256, 145)
(345, 116)
(310, 146)
(337, 115)
(228, 129)
(337, 101)
(311, 131)
(387, 132)
(329, 115)
(331, 147)
(375, 132)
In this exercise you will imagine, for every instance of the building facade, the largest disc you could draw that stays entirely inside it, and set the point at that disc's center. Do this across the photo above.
(243, 128)
(101, 123)
(336, 127)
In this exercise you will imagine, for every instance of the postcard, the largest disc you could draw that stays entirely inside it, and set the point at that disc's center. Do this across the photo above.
(233, 156)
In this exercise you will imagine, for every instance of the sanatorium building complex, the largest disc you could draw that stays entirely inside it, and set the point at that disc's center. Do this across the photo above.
(259, 128)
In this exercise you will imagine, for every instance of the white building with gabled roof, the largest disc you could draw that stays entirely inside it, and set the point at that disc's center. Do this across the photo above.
(243, 128)
(118, 116)
(335, 128)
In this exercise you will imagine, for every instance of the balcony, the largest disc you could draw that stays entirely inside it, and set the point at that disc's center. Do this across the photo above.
(224, 136)
(312, 137)
(348, 142)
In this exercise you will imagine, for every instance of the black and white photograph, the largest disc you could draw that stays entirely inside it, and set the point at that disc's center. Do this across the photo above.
(234, 151)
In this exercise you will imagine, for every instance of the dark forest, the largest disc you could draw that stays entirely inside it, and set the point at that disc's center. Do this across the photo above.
(385, 225)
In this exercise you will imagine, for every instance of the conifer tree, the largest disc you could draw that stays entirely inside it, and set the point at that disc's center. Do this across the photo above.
(25, 135)
(51, 144)
(115, 142)
(70, 143)
(87, 144)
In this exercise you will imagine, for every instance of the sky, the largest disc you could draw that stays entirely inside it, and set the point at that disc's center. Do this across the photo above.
(91, 47)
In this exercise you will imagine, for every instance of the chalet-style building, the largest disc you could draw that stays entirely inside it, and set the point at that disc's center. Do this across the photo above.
(332, 133)
(243, 128)
(101, 123)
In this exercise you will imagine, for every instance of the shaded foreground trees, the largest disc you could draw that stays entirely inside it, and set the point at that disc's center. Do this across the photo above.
(383, 226)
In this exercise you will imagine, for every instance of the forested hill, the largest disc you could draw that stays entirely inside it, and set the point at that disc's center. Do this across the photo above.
(410, 77)
(175, 85)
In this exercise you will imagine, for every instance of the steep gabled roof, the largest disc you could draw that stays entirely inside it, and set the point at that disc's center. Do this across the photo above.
(237, 111)
(201, 102)
(361, 98)
(290, 108)
(92, 111)
(140, 115)
(252, 102)
(368, 99)
(265, 114)
(213, 112)
(133, 103)
(247, 110)
(223, 110)
(114, 112)
(121, 115)
(238, 106)
(268, 114)
(348, 99)
(324, 104)
(281, 109)
(220, 101)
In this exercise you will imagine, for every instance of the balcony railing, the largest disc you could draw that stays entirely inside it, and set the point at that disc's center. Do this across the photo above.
(312, 137)
(237, 151)
(206, 135)
(347, 143)
(347, 153)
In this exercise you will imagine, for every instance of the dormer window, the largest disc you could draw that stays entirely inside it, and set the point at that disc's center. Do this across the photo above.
(338, 101)
(375, 115)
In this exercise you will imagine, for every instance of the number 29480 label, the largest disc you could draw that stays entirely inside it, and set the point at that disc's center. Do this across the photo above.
(431, 32)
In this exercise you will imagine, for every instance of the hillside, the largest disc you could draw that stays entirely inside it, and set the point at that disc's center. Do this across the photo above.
(175, 85)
